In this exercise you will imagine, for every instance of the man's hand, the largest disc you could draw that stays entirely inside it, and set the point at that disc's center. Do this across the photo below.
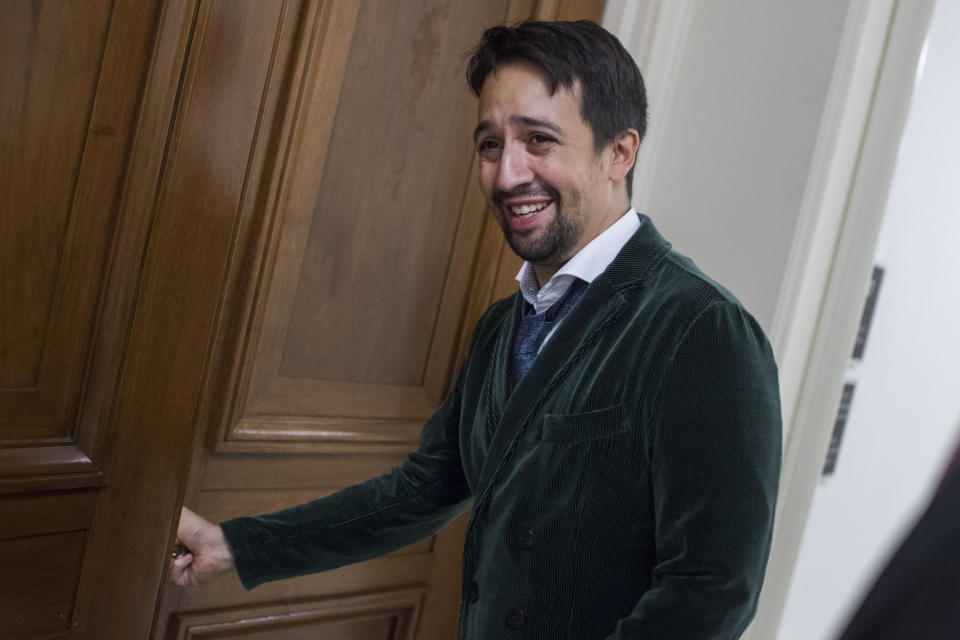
(208, 553)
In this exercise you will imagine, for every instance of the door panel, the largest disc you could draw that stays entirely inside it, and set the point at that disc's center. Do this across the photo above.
(374, 231)
(224, 58)
(71, 72)
(63, 140)
(353, 293)
(242, 250)
(384, 618)
(38, 602)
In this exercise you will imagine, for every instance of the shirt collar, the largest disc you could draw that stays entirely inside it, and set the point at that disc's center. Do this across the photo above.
(587, 264)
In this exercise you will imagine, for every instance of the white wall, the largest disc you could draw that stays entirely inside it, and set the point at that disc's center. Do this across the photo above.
(907, 405)
(738, 115)
(774, 126)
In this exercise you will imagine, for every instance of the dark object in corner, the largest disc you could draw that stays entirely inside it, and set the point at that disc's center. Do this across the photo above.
(918, 593)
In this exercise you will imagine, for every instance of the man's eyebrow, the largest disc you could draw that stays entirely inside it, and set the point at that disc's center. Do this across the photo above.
(536, 122)
(486, 124)
(526, 121)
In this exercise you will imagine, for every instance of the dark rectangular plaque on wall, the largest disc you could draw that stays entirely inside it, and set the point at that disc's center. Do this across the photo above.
(838, 427)
(868, 308)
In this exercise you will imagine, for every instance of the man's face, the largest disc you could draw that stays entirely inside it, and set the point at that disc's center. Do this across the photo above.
(539, 171)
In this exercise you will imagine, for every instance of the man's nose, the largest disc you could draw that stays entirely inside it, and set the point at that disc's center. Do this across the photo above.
(514, 169)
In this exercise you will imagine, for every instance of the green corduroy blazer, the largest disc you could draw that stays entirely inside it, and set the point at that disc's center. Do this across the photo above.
(625, 488)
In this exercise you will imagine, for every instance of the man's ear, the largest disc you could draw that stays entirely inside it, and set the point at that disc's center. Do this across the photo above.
(624, 148)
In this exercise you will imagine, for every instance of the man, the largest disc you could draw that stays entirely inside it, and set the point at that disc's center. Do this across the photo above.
(616, 424)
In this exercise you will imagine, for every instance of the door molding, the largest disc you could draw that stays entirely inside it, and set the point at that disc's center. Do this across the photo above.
(829, 270)
(655, 33)
(827, 274)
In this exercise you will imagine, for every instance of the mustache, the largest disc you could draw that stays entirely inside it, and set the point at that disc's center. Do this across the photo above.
(524, 191)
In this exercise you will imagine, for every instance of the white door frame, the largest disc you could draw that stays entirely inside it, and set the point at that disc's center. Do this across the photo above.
(876, 74)
(828, 270)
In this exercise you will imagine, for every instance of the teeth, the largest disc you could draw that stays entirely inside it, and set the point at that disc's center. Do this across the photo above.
(528, 210)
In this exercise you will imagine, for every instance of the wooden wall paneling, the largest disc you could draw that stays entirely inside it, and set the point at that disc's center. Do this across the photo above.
(238, 484)
(317, 74)
(383, 573)
(44, 47)
(223, 115)
(307, 28)
(34, 514)
(580, 9)
(223, 486)
(379, 238)
(389, 615)
(545, 10)
(37, 468)
(72, 72)
(397, 570)
(296, 395)
(66, 68)
(284, 425)
(569, 10)
(285, 471)
(40, 580)
(245, 269)
(151, 39)
(41, 550)
(489, 244)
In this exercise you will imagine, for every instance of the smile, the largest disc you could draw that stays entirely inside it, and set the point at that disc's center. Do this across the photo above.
(527, 210)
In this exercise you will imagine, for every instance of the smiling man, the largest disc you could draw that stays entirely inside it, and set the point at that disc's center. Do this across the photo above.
(551, 191)
(616, 425)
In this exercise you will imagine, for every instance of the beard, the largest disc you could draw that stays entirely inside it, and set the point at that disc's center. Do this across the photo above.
(535, 246)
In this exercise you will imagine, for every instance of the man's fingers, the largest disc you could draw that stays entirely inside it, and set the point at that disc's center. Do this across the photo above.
(179, 573)
(206, 552)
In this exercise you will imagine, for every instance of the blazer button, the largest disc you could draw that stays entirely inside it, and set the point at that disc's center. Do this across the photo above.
(515, 618)
(473, 593)
(525, 539)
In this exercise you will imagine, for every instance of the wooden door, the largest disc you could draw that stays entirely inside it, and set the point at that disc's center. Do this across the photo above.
(75, 207)
(241, 252)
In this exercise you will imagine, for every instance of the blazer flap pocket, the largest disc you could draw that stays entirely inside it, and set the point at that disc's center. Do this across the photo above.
(575, 427)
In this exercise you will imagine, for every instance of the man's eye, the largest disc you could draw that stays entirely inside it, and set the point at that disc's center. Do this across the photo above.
(487, 147)
(539, 138)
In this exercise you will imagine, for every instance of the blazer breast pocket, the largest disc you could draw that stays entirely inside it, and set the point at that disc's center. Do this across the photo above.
(579, 427)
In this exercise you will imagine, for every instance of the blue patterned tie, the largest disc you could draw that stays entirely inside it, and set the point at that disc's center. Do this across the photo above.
(534, 327)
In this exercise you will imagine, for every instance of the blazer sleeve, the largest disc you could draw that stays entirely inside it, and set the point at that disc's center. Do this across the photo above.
(363, 521)
(715, 459)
